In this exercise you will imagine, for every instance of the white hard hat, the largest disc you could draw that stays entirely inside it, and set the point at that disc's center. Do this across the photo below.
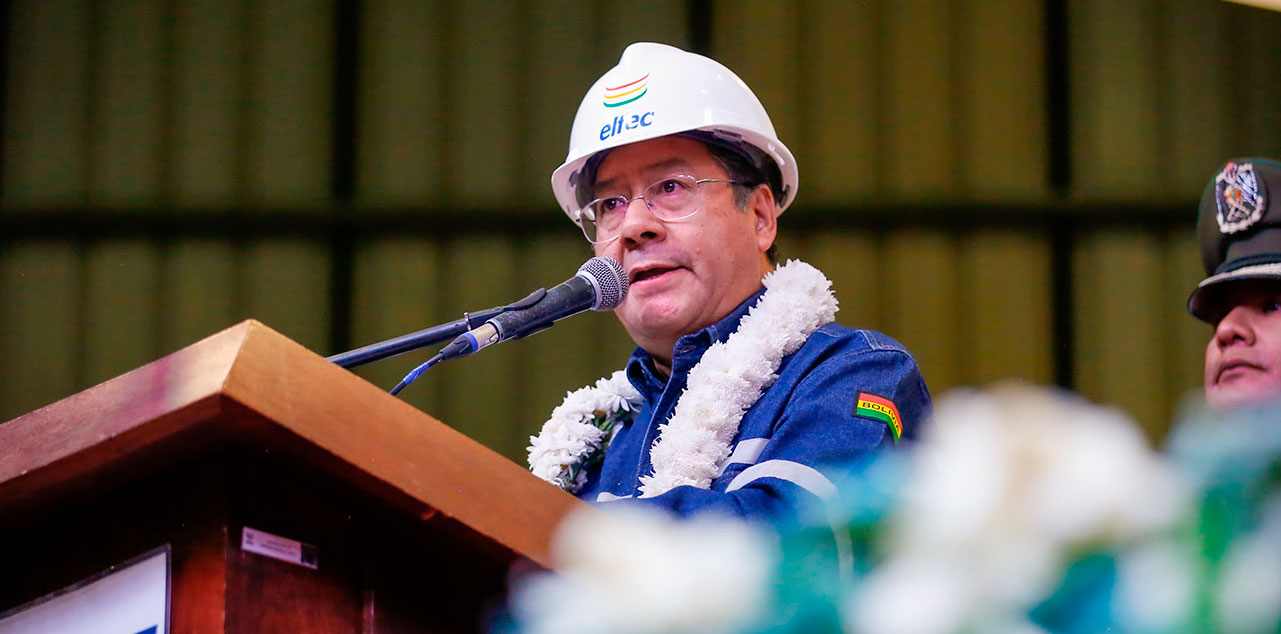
(657, 90)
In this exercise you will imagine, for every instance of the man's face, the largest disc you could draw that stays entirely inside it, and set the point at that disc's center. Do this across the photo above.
(1243, 359)
(686, 274)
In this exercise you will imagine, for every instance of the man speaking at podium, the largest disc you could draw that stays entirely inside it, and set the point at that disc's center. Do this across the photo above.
(743, 395)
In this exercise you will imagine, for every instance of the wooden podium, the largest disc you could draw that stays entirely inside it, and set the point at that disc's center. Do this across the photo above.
(414, 525)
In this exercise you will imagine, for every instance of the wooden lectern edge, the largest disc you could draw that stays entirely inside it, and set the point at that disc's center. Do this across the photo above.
(200, 392)
(396, 445)
(83, 433)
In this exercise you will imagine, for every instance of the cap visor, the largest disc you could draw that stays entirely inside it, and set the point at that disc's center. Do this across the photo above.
(1203, 300)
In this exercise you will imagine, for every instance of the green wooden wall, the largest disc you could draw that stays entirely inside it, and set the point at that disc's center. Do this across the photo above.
(909, 120)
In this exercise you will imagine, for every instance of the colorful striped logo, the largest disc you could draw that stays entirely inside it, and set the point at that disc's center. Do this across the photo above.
(882, 409)
(626, 93)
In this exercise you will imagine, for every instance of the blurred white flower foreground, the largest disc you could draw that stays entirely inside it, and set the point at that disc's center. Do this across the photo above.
(1007, 486)
(1004, 490)
(630, 570)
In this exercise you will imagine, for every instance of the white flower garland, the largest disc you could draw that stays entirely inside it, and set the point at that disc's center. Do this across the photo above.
(579, 431)
(693, 445)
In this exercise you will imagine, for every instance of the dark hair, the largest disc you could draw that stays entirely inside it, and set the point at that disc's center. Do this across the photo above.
(746, 176)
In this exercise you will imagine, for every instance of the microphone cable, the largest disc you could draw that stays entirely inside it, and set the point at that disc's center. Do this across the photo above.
(417, 372)
(448, 352)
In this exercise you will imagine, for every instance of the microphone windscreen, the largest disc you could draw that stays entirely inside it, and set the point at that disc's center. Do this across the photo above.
(609, 280)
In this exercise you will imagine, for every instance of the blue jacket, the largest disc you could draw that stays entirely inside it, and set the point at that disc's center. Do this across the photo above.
(793, 445)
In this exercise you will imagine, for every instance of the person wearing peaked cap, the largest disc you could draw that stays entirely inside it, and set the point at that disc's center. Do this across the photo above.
(1239, 232)
(743, 395)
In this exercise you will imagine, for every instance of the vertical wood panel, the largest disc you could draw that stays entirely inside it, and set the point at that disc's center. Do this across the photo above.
(286, 286)
(615, 345)
(125, 161)
(1185, 337)
(922, 302)
(482, 394)
(838, 148)
(1006, 307)
(45, 113)
(290, 101)
(1119, 314)
(1253, 57)
(592, 346)
(563, 358)
(919, 99)
(621, 22)
(396, 291)
(121, 287)
(1195, 96)
(208, 99)
(199, 292)
(39, 322)
(1115, 141)
(789, 244)
(487, 88)
(563, 63)
(400, 160)
(759, 41)
(853, 262)
(1000, 109)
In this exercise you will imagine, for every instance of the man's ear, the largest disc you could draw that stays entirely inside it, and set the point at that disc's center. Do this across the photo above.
(765, 216)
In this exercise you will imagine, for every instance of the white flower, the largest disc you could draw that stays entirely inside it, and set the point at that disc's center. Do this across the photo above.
(559, 447)
(570, 436)
(615, 393)
(580, 404)
(918, 594)
(632, 571)
(731, 376)
(561, 435)
(560, 476)
(1006, 485)
(727, 382)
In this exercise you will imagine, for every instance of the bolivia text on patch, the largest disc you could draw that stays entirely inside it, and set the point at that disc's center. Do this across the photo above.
(882, 409)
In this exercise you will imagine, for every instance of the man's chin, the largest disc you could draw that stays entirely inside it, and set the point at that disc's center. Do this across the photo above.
(1243, 393)
(655, 320)
(655, 326)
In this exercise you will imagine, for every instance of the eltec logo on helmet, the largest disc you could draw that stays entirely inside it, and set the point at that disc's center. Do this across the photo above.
(627, 93)
(682, 92)
(621, 96)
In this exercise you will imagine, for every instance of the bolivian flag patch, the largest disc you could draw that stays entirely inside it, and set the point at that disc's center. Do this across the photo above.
(882, 409)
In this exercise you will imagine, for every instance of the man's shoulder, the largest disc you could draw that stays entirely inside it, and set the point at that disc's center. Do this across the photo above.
(838, 366)
(834, 338)
(835, 349)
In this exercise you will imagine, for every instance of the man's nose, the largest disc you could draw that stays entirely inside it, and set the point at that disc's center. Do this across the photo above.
(640, 224)
(1236, 327)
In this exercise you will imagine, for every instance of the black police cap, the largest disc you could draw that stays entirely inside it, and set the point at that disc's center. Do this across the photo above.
(1239, 230)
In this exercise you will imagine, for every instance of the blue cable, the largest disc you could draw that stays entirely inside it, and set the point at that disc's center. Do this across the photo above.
(415, 373)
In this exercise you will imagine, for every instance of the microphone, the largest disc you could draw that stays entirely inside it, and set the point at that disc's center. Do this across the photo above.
(600, 284)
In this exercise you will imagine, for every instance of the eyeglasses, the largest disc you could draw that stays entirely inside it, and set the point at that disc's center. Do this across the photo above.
(670, 199)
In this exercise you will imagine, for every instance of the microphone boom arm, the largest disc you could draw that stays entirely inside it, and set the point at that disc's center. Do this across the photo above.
(600, 284)
(415, 340)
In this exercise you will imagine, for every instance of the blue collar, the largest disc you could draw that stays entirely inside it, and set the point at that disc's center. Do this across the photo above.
(688, 350)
